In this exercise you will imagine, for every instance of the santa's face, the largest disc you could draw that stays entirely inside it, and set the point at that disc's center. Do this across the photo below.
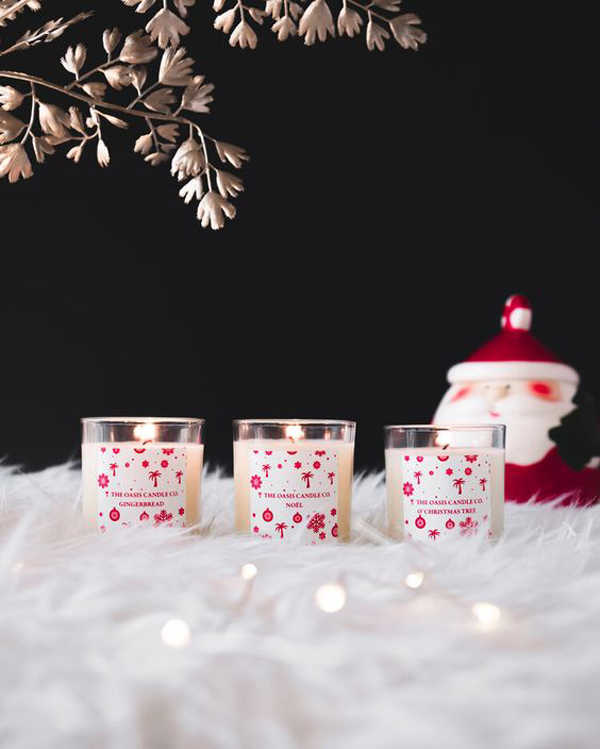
(528, 408)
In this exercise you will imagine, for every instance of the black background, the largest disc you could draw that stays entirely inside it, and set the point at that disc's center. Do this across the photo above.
(392, 202)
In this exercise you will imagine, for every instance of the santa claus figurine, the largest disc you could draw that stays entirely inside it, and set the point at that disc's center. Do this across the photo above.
(552, 435)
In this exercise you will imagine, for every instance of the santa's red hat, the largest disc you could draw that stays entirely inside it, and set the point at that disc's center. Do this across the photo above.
(514, 353)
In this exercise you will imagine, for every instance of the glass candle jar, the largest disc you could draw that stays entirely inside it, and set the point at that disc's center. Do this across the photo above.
(141, 471)
(293, 479)
(444, 481)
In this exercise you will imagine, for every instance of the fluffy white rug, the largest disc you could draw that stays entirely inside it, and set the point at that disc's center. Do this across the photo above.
(82, 663)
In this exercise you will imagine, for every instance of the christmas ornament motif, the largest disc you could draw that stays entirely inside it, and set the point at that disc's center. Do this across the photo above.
(449, 492)
(142, 490)
(294, 496)
(552, 435)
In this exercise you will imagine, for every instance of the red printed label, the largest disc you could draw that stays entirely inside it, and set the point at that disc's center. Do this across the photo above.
(446, 495)
(141, 486)
(293, 495)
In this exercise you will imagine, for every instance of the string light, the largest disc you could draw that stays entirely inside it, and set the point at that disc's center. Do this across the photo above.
(176, 634)
(414, 579)
(248, 571)
(330, 598)
(487, 614)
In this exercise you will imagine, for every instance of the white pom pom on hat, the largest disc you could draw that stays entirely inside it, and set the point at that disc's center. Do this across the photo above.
(514, 354)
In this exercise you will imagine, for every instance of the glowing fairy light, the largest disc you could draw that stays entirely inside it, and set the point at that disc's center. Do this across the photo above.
(145, 432)
(294, 432)
(248, 571)
(330, 598)
(414, 580)
(176, 634)
(488, 615)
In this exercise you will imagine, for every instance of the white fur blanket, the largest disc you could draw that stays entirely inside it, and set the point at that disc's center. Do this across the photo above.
(82, 663)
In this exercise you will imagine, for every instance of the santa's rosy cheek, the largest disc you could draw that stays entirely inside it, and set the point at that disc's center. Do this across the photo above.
(548, 391)
(460, 394)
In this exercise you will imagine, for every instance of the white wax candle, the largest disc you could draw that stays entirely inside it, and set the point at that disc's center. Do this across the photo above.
(434, 493)
(130, 483)
(293, 490)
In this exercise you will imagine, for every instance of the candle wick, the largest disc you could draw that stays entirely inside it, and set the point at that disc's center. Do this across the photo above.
(446, 446)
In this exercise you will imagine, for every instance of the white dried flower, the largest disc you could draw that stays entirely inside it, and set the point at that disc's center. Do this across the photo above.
(243, 36)
(41, 147)
(376, 36)
(233, 154)
(294, 10)
(53, 120)
(192, 189)
(317, 21)
(218, 5)
(175, 68)
(138, 49)
(102, 153)
(212, 210)
(284, 28)
(160, 100)
(14, 162)
(74, 59)
(183, 5)
(10, 127)
(138, 77)
(10, 98)
(74, 154)
(196, 96)
(188, 160)
(349, 22)
(167, 28)
(273, 8)
(143, 5)
(76, 120)
(154, 159)
(225, 21)
(95, 90)
(405, 31)
(111, 39)
(229, 185)
(168, 132)
(393, 6)
(118, 76)
(144, 144)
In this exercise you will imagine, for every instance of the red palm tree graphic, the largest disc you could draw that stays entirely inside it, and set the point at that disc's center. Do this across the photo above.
(458, 484)
(113, 467)
(280, 527)
(307, 476)
(153, 476)
(434, 533)
(179, 476)
(418, 475)
(331, 476)
(266, 468)
(482, 483)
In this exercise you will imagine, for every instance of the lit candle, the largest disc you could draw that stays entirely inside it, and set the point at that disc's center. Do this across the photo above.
(293, 479)
(445, 481)
(141, 471)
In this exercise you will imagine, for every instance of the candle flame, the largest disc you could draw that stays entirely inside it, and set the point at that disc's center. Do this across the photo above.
(294, 432)
(145, 432)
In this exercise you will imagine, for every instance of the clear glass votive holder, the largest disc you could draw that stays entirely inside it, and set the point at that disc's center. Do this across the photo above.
(293, 479)
(444, 481)
(141, 471)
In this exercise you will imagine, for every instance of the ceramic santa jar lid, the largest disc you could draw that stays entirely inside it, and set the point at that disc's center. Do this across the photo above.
(514, 353)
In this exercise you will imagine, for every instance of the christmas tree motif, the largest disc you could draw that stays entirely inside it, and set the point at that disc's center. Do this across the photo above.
(482, 483)
(331, 476)
(179, 476)
(433, 533)
(266, 468)
(468, 527)
(113, 467)
(154, 476)
(307, 476)
(458, 484)
(279, 528)
(418, 475)
(162, 517)
(317, 522)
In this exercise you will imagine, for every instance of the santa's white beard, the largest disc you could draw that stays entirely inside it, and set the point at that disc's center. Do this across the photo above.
(528, 420)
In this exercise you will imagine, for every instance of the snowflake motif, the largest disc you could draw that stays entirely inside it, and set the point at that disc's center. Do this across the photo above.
(168, 450)
(145, 464)
(256, 482)
(322, 535)
(162, 517)
(470, 458)
(468, 527)
(164, 463)
(316, 465)
(449, 471)
(297, 464)
(181, 511)
(103, 480)
(408, 489)
(317, 522)
(333, 512)
(468, 471)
